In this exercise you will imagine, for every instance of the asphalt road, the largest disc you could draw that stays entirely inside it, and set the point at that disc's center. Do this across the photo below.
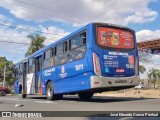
(73, 103)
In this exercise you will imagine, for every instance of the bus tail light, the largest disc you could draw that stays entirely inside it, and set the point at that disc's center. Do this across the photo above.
(96, 64)
(96, 82)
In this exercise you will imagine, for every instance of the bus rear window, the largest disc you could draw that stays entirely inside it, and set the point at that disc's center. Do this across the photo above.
(115, 38)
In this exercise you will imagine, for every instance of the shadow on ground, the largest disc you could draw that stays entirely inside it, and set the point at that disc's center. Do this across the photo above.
(97, 99)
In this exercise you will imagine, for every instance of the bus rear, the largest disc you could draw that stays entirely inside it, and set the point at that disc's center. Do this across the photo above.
(115, 57)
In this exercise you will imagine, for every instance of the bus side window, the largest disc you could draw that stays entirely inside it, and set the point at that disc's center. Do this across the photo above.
(39, 63)
(31, 65)
(61, 55)
(77, 47)
(20, 70)
(48, 58)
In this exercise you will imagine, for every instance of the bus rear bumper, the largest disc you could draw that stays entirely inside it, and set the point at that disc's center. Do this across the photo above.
(107, 82)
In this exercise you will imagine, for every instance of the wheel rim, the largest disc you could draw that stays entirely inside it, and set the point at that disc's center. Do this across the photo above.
(49, 91)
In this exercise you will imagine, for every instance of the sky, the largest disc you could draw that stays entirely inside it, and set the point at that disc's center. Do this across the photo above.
(57, 18)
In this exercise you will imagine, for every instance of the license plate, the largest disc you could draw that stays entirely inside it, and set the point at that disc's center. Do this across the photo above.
(121, 81)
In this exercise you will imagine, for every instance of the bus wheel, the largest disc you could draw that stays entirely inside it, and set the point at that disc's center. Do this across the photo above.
(24, 95)
(85, 95)
(2, 93)
(50, 91)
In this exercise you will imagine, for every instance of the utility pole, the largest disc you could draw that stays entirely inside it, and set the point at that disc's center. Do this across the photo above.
(4, 80)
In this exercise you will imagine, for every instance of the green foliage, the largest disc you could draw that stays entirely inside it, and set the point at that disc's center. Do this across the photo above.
(140, 80)
(9, 66)
(142, 69)
(154, 83)
(36, 44)
(154, 75)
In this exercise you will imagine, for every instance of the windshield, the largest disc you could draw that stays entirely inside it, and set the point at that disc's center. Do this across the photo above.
(114, 38)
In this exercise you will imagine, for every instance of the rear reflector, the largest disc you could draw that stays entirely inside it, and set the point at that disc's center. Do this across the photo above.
(96, 82)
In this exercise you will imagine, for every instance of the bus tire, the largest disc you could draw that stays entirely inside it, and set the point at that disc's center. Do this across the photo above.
(24, 95)
(50, 91)
(85, 95)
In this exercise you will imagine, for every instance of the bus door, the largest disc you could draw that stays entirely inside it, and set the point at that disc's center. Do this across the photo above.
(16, 80)
(24, 77)
(38, 74)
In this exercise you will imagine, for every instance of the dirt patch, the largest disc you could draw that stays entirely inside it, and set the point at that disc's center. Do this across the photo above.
(133, 93)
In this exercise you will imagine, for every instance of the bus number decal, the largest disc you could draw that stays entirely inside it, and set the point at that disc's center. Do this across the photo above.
(79, 67)
(129, 66)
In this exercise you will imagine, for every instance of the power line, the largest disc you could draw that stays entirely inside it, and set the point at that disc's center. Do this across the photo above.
(25, 29)
(1, 41)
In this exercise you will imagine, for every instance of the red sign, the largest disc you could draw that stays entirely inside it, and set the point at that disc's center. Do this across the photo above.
(119, 70)
(116, 38)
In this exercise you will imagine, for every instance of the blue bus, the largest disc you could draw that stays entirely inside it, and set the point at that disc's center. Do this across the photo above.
(96, 58)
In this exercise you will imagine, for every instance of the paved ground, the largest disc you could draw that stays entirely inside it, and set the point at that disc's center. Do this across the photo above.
(72, 103)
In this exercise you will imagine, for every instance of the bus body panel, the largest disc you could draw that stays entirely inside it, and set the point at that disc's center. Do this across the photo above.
(73, 76)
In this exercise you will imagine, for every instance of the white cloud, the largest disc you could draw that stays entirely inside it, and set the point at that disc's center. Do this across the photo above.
(53, 34)
(6, 20)
(82, 11)
(147, 35)
(156, 57)
(154, 61)
(148, 66)
(12, 36)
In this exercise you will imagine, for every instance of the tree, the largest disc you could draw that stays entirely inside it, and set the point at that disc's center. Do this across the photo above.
(4, 63)
(154, 75)
(142, 69)
(36, 44)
